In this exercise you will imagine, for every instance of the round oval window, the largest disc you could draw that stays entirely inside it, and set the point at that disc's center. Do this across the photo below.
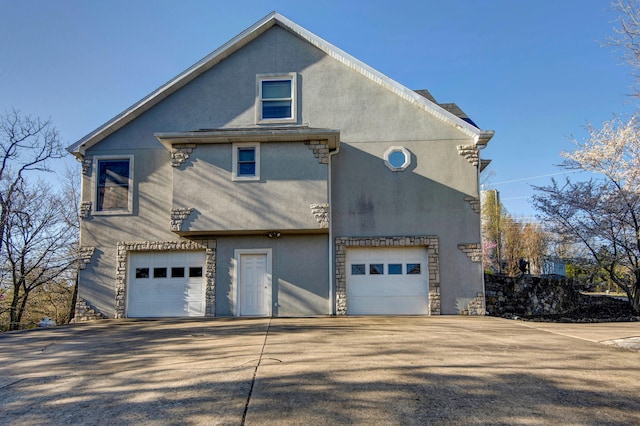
(397, 159)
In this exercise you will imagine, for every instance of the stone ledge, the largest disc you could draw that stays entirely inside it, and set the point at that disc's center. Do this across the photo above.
(178, 216)
(474, 202)
(180, 153)
(473, 251)
(471, 153)
(84, 256)
(321, 213)
(84, 311)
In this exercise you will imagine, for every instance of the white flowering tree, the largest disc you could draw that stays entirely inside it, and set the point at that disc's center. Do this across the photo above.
(603, 213)
(627, 35)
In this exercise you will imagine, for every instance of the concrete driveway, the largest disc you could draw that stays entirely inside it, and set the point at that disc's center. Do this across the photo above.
(380, 370)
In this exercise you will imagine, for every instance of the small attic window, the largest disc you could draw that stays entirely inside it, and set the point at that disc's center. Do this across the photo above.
(276, 98)
(397, 158)
(246, 161)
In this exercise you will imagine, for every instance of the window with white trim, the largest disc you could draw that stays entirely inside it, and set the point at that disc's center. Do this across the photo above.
(113, 185)
(397, 158)
(246, 161)
(276, 98)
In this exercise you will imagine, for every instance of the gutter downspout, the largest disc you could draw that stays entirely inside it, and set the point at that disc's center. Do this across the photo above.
(481, 143)
(332, 304)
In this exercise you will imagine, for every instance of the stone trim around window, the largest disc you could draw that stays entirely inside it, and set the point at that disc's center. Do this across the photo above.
(429, 242)
(125, 247)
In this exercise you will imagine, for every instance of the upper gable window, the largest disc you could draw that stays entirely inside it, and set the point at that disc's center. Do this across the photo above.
(246, 161)
(113, 192)
(277, 98)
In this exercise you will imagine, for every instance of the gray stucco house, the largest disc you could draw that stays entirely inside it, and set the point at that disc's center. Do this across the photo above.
(280, 176)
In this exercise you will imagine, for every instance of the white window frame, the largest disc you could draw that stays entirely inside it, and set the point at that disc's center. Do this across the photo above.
(234, 159)
(407, 158)
(96, 179)
(294, 94)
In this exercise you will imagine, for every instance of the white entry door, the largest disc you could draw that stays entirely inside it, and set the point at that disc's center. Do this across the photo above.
(254, 284)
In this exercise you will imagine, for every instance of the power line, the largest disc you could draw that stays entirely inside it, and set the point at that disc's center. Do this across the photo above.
(536, 177)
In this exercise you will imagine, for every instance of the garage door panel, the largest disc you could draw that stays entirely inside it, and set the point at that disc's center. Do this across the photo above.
(393, 305)
(167, 290)
(387, 281)
(388, 289)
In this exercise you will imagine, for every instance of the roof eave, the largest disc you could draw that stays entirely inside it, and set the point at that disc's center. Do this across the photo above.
(332, 137)
(483, 138)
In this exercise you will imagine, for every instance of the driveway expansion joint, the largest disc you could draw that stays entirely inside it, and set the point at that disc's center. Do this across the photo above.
(255, 373)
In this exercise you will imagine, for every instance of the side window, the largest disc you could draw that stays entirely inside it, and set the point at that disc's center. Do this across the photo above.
(276, 98)
(395, 268)
(376, 269)
(195, 272)
(142, 272)
(159, 272)
(113, 192)
(246, 161)
(177, 272)
(413, 269)
(357, 269)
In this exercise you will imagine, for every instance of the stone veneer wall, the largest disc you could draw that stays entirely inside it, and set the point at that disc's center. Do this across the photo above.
(429, 242)
(529, 296)
(192, 245)
(86, 312)
(476, 306)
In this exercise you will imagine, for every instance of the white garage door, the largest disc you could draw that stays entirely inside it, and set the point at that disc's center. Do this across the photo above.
(167, 284)
(387, 281)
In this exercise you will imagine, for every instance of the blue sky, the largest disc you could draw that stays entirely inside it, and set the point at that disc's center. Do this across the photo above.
(534, 71)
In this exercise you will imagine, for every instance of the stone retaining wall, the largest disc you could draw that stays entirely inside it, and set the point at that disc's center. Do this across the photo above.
(530, 296)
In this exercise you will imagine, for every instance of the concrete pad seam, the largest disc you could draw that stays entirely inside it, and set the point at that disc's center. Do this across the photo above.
(255, 373)
(555, 332)
(620, 343)
(8, 385)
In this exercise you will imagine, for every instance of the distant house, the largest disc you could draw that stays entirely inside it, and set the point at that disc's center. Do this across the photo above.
(280, 176)
(554, 266)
